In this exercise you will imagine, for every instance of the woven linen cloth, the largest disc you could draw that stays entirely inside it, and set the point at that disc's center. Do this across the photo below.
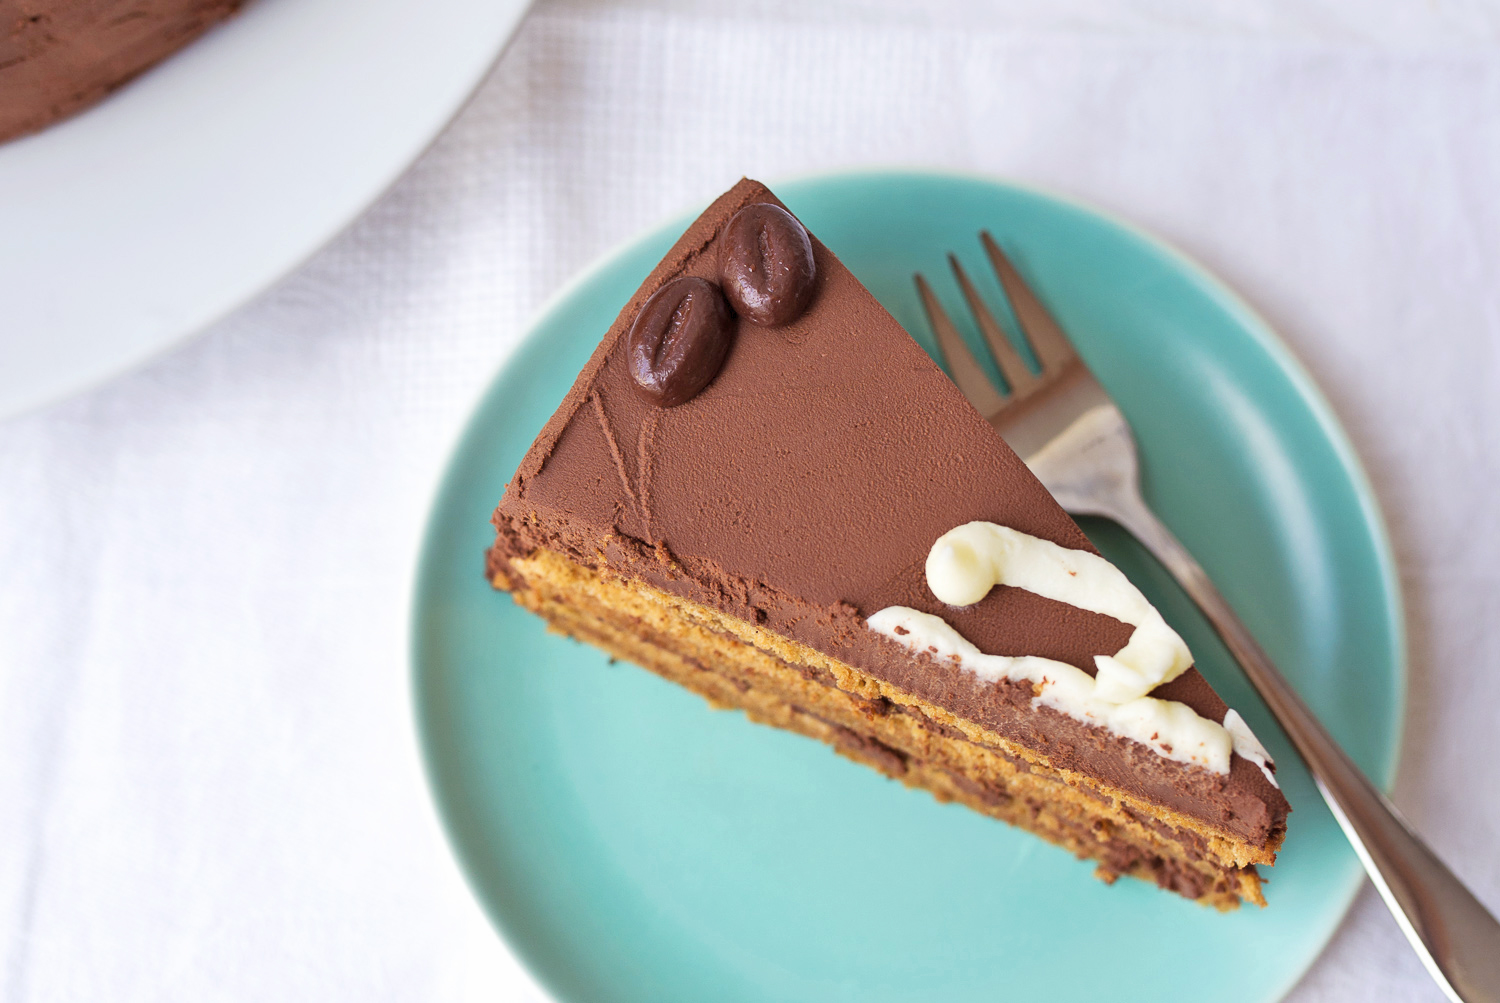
(209, 785)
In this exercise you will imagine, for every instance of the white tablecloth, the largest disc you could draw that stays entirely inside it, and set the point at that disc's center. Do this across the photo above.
(209, 787)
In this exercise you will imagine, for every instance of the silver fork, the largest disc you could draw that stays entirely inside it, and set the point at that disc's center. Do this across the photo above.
(1073, 437)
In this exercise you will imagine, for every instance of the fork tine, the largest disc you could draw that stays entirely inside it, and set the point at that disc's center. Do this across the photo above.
(1017, 373)
(971, 379)
(1052, 347)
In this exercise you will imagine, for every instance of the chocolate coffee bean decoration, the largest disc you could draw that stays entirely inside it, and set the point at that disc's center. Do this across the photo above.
(766, 265)
(679, 340)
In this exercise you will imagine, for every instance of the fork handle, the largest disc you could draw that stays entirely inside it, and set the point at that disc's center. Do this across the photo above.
(1455, 936)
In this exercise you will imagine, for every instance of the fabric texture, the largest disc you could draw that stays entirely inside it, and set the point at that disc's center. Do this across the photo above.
(209, 783)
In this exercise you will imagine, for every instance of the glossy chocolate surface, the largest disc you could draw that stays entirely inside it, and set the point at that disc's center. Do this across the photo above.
(766, 265)
(678, 341)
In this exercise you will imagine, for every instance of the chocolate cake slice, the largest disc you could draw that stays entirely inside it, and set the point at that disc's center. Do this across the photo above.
(761, 488)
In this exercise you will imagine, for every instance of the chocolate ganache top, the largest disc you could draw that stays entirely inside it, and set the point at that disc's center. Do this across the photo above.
(802, 489)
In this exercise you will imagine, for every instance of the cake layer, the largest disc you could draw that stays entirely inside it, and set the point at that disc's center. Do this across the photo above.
(780, 682)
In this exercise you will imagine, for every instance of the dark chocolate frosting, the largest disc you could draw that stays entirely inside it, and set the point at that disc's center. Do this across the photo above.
(802, 489)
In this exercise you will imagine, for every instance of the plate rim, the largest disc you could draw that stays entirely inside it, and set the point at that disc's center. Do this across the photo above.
(1247, 317)
(420, 142)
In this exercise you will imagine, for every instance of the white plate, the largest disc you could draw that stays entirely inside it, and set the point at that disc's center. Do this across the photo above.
(133, 225)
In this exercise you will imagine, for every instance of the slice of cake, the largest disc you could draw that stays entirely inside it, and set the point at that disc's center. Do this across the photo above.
(761, 488)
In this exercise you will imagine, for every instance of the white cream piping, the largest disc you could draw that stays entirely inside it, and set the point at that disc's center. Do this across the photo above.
(1248, 746)
(965, 563)
(1170, 728)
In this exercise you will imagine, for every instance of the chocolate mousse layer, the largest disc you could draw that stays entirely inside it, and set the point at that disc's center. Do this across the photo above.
(58, 57)
(801, 490)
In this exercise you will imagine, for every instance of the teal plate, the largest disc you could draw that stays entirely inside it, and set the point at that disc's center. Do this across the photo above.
(633, 845)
